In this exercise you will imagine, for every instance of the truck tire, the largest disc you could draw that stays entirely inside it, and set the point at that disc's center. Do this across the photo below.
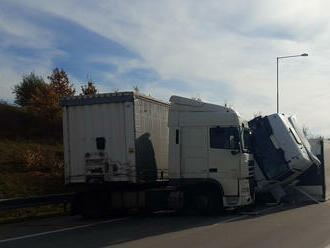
(94, 205)
(208, 203)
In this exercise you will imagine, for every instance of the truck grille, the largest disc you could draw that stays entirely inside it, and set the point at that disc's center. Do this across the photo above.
(251, 168)
(251, 176)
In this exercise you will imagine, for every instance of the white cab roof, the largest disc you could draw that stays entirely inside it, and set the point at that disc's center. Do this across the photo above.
(197, 113)
(180, 103)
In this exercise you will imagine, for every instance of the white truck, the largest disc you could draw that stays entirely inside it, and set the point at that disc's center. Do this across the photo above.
(209, 157)
(127, 150)
(281, 151)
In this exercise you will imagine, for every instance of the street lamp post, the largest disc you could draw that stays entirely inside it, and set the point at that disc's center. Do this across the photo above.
(277, 59)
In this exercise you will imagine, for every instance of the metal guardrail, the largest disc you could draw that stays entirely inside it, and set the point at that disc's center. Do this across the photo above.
(34, 201)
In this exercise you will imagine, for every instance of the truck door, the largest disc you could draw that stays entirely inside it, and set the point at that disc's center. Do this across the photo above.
(224, 157)
(194, 152)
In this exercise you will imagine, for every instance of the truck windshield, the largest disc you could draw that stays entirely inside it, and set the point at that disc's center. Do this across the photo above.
(224, 138)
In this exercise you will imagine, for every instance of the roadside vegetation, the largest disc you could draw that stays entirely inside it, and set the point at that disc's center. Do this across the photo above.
(31, 146)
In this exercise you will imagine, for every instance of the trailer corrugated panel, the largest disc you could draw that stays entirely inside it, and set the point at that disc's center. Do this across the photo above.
(116, 137)
(151, 118)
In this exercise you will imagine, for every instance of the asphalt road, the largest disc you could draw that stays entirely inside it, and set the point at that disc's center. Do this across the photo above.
(307, 226)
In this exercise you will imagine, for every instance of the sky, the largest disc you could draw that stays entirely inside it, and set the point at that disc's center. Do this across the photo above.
(221, 51)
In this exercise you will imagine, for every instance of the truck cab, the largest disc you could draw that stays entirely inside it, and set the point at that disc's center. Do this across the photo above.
(209, 152)
(281, 151)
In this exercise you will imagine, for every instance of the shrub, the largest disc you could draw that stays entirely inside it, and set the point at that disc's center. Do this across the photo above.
(41, 158)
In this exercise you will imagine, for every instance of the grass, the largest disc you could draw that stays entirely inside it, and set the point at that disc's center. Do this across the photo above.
(31, 160)
(13, 153)
(22, 176)
(22, 214)
(26, 184)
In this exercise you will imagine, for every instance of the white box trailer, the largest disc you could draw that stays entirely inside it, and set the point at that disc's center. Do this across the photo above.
(115, 137)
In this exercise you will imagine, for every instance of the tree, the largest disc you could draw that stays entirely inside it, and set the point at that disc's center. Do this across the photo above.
(88, 89)
(60, 82)
(45, 103)
(24, 90)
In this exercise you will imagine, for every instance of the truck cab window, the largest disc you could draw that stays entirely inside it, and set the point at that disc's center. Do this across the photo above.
(224, 138)
(247, 138)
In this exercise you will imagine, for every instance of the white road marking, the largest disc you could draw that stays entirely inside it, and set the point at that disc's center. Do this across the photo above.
(60, 230)
(231, 219)
(235, 218)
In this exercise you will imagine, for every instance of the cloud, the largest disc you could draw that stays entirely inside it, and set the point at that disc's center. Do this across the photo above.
(25, 47)
(122, 64)
(222, 50)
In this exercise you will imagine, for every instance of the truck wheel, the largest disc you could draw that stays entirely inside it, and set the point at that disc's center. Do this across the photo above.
(208, 203)
(94, 205)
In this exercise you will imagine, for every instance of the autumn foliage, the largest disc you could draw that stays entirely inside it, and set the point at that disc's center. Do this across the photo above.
(45, 103)
(42, 158)
(43, 99)
(59, 81)
(89, 89)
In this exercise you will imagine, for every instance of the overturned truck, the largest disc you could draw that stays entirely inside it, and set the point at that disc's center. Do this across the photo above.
(281, 151)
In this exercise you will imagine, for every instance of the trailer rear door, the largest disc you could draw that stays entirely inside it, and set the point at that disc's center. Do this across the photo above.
(85, 128)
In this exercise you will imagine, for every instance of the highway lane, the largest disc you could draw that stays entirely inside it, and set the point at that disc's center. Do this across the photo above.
(67, 231)
(307, 226)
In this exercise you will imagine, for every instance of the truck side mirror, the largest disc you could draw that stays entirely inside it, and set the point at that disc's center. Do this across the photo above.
(233, 142)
